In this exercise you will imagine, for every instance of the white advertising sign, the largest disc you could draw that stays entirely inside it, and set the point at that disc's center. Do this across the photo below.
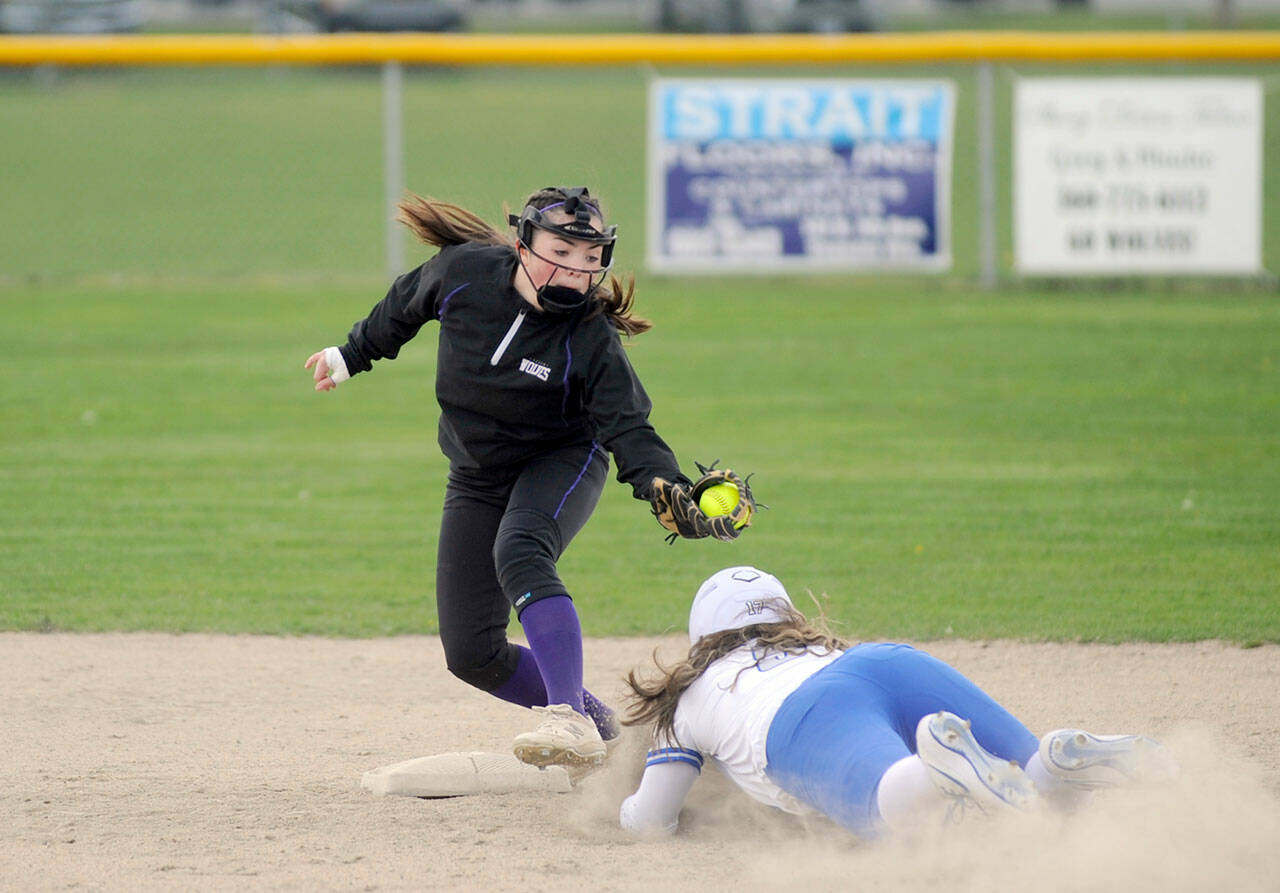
(1138, 175)
(792, 175)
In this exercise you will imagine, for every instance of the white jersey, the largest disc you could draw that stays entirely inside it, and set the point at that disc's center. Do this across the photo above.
(724, 716)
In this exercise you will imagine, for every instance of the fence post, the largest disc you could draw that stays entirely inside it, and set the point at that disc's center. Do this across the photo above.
(393, 161)
(986, 174)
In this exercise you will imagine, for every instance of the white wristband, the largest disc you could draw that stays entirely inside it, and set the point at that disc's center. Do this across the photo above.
(337, 365)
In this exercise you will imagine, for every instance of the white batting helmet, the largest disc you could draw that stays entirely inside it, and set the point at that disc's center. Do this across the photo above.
(736, 597)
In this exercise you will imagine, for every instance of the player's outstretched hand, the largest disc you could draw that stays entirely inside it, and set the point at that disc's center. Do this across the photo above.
(321, 374)
(676, 511)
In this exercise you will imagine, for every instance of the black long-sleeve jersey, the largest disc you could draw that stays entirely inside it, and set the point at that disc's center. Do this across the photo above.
(511, 380)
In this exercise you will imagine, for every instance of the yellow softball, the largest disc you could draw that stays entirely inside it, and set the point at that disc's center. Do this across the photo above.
(719, 500)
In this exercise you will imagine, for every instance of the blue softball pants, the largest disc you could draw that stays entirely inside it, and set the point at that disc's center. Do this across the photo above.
(836, 734)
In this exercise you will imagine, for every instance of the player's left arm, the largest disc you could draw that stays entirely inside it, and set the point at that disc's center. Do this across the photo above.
(669, 775)
(619, 408)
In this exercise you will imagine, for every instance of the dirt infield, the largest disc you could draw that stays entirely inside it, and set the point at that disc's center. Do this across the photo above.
(195, 762)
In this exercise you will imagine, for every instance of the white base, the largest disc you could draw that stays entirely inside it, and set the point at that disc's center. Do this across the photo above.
(462, 774)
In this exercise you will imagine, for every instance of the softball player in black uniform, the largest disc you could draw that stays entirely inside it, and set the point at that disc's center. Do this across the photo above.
(535, 393)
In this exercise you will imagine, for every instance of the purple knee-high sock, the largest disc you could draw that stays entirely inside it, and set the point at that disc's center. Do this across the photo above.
(555, 636)
(601, 715)
(525, 687)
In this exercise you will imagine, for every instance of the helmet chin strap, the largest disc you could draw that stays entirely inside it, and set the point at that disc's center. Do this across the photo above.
(555, 298)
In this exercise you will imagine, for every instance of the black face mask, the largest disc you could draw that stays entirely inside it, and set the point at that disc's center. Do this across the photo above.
(578, 204)
(562, 298)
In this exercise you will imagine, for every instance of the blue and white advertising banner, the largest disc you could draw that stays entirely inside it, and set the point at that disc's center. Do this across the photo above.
(798, 175)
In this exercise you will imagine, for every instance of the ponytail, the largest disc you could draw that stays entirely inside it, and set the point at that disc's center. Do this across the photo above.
(441, 223)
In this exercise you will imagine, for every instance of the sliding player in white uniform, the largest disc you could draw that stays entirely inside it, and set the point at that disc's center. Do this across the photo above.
(880, 737)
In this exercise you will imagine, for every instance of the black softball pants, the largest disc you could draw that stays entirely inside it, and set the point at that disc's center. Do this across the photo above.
(501, 534)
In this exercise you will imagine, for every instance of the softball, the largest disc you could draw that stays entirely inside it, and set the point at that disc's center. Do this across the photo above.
(718, 500)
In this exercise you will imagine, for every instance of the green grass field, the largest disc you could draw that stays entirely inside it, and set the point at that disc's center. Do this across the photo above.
(1097, 461)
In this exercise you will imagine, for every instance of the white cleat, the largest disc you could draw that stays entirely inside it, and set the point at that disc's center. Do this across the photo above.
(1106, 761)
(564, 738)
(961, 769)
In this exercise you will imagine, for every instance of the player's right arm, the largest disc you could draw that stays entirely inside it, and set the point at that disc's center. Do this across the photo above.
(396, 319)
(669, 774)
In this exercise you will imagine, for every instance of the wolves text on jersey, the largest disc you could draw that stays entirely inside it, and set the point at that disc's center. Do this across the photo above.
(537, 370)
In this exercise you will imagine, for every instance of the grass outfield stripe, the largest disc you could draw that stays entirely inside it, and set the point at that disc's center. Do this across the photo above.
(1043, 464)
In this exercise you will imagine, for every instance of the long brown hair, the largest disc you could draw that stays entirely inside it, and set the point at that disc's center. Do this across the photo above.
(654, 699)
(441, 223)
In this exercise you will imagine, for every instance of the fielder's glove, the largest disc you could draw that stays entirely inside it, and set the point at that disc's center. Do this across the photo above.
(676, 507)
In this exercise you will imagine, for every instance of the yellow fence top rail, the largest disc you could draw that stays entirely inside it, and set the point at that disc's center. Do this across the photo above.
(630, 49)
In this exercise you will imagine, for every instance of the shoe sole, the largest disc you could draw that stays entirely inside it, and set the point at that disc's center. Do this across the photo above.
(543, 756)
(1091, 761)
(1003, 781)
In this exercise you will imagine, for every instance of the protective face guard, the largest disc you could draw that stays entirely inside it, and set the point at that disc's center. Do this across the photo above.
(578, 204)
(581, 208)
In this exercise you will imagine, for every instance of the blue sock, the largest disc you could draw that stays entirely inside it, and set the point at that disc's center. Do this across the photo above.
(555, 636)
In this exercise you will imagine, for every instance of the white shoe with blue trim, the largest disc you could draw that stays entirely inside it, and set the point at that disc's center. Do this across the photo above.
(1093, 761)
(961, 769)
